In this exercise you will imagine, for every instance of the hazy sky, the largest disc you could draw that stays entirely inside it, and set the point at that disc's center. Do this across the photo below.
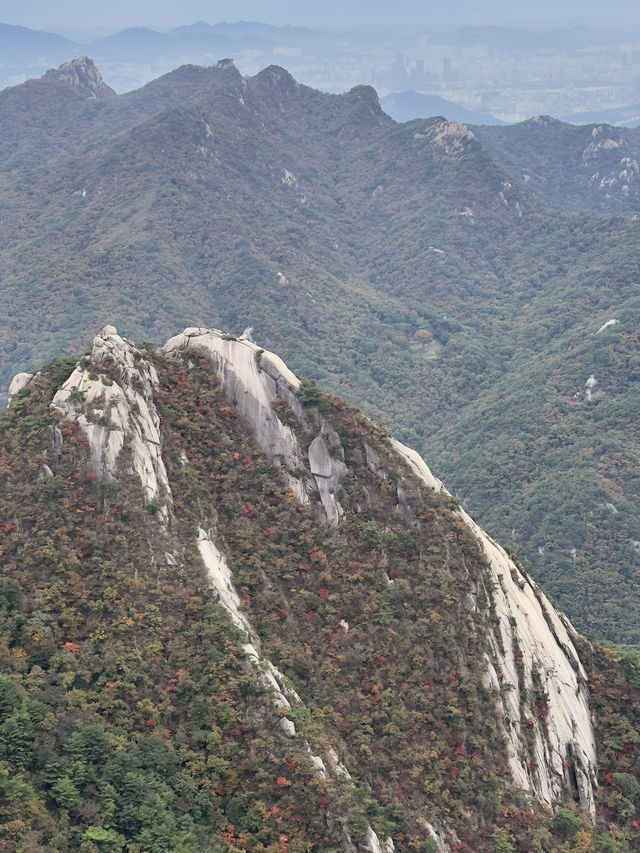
(60, 15)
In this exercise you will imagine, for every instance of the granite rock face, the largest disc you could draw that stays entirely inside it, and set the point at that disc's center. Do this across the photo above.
(533, 646)
(327, 466)
(19, 381)
(110, 395)
(256, 381)
(83, 75)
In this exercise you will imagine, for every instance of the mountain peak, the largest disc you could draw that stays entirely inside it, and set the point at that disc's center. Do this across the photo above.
(529, 647)
(366, 93)
(83, 74)
(226, 64)
(275, 75)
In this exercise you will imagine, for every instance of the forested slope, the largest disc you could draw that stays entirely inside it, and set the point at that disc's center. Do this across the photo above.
(398, 264)
(198, 654)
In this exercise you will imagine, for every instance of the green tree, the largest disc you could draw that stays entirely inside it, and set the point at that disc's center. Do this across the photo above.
(565, 824)
(9, 697)
(501, 843)
(106, 839)
(65, 794)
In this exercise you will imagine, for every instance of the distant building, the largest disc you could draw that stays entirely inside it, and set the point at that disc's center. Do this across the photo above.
(417, 75)
(399, 76)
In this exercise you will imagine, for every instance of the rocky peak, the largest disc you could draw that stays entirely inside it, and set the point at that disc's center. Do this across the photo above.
(541, 119)
(226, 65)
(366, 104)
(367, 94)
(254, 380)
(278, 78)
(110, 395)
(452, 136)
(83, 75)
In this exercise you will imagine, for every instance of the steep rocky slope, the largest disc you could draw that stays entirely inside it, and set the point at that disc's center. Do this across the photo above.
(377, 673)
(583, 167)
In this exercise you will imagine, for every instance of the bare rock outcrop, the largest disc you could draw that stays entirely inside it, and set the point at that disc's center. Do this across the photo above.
(254, 381)
(19, 381)
(110, 395)
(81, 73)
(532, 654)
(326, 461)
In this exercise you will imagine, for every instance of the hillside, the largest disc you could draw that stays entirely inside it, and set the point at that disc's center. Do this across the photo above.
(397, 263)
(576, 167)
(236, 616)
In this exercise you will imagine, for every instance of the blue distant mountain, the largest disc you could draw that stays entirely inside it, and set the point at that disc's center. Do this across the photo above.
(628, 116)
(147, 45)
(19, 43)
(405, 106)
(255, 30)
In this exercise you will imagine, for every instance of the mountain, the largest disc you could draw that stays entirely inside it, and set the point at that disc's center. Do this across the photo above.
(133, 56)
(405, 106)
(628, 116)
(57, 104)
(141, 42)
(18, 43)
(399, 264)
(236, 615)
(257, 30)
(577, 167)
(29, 53)
(83, 76)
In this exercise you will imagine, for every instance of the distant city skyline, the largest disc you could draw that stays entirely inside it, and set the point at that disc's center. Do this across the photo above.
(75, 15)
(485, 63)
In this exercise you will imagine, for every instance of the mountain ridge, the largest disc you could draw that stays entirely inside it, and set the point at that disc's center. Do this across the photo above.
(342, 235)
(156, 436)
(601, 161)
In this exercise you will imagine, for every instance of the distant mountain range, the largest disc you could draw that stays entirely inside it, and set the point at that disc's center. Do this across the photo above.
(29, 53)
(20, 45)
(335, 61)
(405, 106)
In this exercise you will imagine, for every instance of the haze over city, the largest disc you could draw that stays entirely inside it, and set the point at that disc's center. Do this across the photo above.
(479, 63)
(75, 15)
